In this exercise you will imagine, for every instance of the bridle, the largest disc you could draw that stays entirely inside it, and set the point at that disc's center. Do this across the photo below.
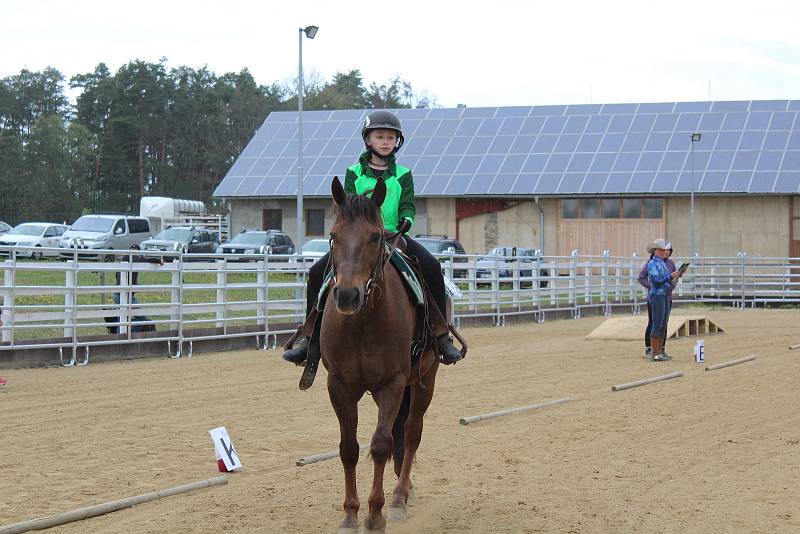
(387, 247)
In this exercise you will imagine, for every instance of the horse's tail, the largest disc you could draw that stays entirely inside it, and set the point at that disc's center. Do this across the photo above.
(398, 430)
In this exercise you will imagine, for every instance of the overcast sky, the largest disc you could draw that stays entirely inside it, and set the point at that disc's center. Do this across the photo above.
(496, 53)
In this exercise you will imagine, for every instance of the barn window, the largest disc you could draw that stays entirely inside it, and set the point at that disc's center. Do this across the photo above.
(271, 219)
(590, 208)
(611, 208)
(569, 208)
(315, 222)
(632, 208)
(653, 208)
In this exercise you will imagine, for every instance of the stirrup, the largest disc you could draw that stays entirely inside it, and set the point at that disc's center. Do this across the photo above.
(297, 355)
(448, 353)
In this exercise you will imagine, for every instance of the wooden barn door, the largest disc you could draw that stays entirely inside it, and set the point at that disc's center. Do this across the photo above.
(621, 236)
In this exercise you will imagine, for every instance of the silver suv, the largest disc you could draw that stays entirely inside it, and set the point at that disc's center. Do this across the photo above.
(106, 232)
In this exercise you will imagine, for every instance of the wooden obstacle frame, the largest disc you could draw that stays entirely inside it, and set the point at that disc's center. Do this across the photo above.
(696, 326)
(632, 328)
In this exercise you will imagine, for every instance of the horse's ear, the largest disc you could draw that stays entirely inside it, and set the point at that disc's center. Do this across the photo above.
(379, 193)
(337, 191)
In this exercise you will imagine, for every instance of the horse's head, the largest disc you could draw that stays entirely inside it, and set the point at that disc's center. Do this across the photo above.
(356, 246)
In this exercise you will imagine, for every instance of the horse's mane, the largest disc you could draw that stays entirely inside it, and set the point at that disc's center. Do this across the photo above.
(358, 207)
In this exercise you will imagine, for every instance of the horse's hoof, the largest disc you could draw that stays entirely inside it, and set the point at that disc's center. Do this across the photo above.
(370, 526)
(397, 513)
(348, 527)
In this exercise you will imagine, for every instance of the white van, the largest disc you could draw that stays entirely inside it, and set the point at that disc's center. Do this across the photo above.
(106, 232)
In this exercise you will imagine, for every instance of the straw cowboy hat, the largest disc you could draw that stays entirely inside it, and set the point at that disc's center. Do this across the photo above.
(657, 244)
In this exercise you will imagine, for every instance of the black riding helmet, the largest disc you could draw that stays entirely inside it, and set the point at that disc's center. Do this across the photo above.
(382, 120)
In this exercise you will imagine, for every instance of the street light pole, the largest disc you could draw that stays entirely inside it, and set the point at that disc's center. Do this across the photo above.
(695, 138)
(310, 32)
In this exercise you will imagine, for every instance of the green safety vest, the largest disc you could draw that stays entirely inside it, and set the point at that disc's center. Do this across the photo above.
(399, 202)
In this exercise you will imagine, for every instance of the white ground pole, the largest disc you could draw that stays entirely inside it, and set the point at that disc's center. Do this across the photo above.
(732, 362)
(629, 385)
(793, 347)
(476, 418)
(314, 458)
(105, 508)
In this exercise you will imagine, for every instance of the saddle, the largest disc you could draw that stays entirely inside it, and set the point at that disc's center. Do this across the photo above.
(411, 276)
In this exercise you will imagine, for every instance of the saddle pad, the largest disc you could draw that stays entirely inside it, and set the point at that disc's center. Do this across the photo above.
(406, 273)
(409, 276)
(453, 290)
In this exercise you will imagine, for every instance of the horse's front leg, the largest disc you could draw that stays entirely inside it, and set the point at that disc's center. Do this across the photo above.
(388, 398)
(346, 408)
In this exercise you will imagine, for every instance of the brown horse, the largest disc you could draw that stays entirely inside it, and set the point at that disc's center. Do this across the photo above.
(365, 341)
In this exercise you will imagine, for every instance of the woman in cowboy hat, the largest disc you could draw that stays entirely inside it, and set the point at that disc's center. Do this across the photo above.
(661, 280)
(645, 282)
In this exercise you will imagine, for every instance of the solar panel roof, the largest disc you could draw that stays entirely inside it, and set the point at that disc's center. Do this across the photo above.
(589, 149)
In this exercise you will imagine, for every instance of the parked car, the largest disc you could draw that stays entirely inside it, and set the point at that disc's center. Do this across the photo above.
(314, 249)
(439, 245)
(107, 232)
(4, 227)
(258, 242)
(502, 258)
(36, 235)
(184, 239)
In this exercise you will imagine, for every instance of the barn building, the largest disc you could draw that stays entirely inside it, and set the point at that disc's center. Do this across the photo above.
(589, 178)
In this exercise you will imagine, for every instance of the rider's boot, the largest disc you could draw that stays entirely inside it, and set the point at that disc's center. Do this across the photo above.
(297, 355)
(448, 353)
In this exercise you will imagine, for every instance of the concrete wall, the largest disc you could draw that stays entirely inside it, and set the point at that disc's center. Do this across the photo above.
(246, 213)
(758, 225)
(441, 218)
(517, 225)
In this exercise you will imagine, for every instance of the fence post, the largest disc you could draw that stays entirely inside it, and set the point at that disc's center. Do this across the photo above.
(472, 285)
(742, 256)
(70, 299)
(515, 284)
(588, 273)
(300, 291)
(262, 296)
(573, 273)
(604, 279)
(496, 289)
(222, 281)
(124, 304)
(9, 276)
(537, 274)
(176, 298)
(633, 281)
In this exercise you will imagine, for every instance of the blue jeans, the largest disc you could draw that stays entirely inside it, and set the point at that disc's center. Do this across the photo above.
(659, 305)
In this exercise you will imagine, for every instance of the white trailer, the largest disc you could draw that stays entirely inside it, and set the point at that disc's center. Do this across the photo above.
(164, 211)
